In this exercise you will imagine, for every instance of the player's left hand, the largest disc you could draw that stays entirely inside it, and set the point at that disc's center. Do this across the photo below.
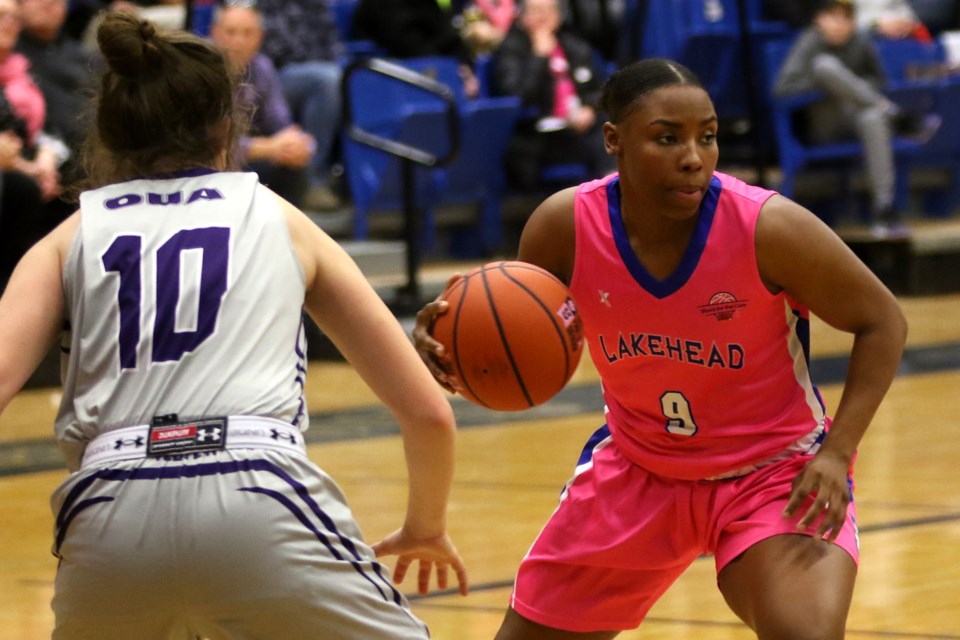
(433, 552)
(824, 480)
(431, 351)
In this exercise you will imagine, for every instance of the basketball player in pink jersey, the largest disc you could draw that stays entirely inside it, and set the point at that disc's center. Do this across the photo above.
(695, 291)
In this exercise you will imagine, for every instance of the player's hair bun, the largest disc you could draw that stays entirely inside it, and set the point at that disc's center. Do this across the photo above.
(130, 46)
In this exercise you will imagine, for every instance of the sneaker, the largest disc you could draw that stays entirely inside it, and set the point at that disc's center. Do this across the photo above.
(886, 230)
(920, 128)
(321, 198)
(888, 225)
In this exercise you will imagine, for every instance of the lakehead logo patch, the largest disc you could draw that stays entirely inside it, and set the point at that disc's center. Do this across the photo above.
(722, 306)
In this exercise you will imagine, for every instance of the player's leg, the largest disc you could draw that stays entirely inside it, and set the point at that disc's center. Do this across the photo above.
(791, 587)
(115, 580)
(785, 585)
(516, 627)
(284, 558)
(601, 562)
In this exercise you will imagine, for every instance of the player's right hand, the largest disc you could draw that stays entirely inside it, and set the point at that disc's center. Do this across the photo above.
(431, 351)
(437, 552)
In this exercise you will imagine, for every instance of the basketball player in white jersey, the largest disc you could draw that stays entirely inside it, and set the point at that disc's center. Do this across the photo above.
(192, 509)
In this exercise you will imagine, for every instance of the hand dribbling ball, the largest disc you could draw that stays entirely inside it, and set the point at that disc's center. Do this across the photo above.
(512, 334)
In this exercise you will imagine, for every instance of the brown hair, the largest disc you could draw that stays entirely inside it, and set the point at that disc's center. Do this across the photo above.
(166, 102)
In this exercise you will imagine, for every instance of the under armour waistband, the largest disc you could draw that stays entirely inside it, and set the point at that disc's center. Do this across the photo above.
(233, 432)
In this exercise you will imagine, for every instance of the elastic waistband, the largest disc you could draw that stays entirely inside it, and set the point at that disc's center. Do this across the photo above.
(238, 432)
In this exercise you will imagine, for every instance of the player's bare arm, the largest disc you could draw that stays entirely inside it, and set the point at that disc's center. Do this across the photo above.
(31, 310)
(339, 299)
(549, 236)
(798, 253)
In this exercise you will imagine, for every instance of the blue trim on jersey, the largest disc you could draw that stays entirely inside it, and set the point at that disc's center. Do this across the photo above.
(598, 436)
(691, 257)
(68, 513)
(802, 330)
(803, 334)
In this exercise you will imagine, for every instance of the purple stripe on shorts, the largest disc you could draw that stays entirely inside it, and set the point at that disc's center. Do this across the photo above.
(67, 512)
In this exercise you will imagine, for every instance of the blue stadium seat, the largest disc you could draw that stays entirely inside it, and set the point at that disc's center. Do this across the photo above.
(343, 11)
(942, 153)
(405, 114)
(908, 60)
(707, 38)
(796, 155)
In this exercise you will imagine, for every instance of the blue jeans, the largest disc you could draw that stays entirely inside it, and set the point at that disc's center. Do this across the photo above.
(313, 91)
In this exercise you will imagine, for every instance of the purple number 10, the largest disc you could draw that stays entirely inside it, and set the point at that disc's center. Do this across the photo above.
(124, 257)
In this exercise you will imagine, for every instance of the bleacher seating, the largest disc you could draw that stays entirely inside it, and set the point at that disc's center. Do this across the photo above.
(707, 36)
(474, 176)
(343, 11)
(796, 155)
(942, 153)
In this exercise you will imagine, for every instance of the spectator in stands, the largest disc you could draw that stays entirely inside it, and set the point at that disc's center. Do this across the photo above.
(28, 171)
(894, 19)
(486, 22)
(554, 73)
(600, 23)
(301, 38)
(833, 57)
(60, 67)
(276, 148)
(169, 14)
(937, 15)
(19, 201)
(415, 28)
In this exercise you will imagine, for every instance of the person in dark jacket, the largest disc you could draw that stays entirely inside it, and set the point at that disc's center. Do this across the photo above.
(416, 28)
(555, 74)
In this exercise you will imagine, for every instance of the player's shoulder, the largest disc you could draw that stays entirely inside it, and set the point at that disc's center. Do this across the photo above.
(738, 190)
(596, 187)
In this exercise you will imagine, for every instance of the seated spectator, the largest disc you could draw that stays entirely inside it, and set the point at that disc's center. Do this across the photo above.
(85, 16)
(415, 28)
(302, 41)
(486, 22)
(937, 15)
(833, 57)
(554, 74)
(599, 22)
(65, 75)
(20, 200)
(894, 19)
(60, 67)
(28, 171)
(277, 149)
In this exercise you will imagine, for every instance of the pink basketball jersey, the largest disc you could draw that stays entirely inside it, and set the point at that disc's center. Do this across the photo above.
(704, 372)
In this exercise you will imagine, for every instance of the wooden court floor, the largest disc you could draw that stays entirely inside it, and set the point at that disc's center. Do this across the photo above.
(512, 466)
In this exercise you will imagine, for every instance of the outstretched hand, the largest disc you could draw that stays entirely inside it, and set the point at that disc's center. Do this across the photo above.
(436, 552)
(824, 480)
(431, 351)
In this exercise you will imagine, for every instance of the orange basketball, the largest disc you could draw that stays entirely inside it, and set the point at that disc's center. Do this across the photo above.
(512, 333)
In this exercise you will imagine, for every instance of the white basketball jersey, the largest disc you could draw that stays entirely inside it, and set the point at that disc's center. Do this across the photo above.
(183, 296)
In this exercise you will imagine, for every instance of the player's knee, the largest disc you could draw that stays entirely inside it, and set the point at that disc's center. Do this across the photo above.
(806, 625)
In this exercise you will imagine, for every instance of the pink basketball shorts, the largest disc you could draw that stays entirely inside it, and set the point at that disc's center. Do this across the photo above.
(621, 536)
